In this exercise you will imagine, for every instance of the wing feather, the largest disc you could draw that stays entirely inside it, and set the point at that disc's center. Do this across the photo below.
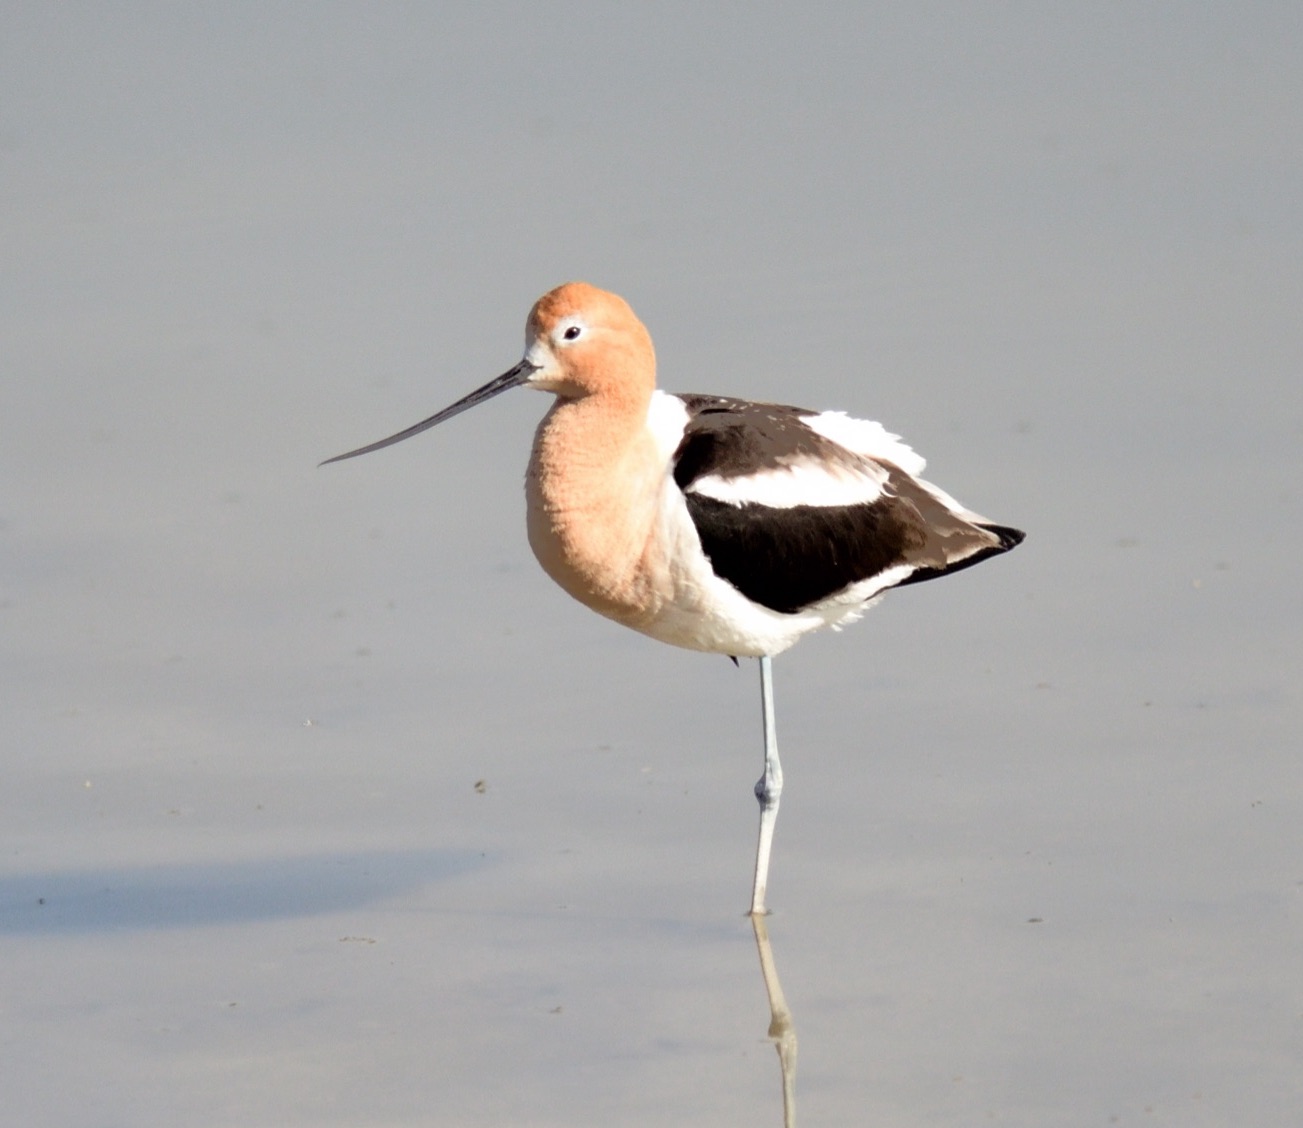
(793, 518)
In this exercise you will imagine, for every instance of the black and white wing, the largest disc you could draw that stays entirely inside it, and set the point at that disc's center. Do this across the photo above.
(794, 507)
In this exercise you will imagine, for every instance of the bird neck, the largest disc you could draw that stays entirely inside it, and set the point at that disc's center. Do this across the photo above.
(593, 491)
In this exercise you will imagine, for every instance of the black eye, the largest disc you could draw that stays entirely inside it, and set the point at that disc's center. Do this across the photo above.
(572, 333)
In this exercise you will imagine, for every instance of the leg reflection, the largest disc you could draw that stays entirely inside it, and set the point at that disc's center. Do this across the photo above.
(781, 1030)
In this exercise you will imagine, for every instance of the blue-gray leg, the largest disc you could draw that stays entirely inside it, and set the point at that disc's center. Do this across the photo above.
(769, 788)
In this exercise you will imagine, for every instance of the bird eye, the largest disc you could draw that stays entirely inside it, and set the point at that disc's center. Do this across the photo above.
(572, 333)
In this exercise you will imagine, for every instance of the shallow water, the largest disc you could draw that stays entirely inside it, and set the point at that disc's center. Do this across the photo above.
(1039, 854)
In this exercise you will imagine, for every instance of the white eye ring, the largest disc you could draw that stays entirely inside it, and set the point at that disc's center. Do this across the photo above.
(570, 333)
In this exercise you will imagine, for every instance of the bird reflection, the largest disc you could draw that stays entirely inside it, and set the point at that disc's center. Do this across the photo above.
(782, 1032)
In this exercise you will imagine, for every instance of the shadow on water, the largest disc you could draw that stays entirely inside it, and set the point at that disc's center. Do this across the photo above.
(782, 1031)
(195, 894)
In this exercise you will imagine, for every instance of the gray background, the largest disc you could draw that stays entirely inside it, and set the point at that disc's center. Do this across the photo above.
(1039, 861)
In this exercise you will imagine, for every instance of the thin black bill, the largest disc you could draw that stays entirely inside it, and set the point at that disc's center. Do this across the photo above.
(514, 378)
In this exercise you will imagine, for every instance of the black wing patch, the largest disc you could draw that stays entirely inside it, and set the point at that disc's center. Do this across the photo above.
(733, 438)
(787, 559)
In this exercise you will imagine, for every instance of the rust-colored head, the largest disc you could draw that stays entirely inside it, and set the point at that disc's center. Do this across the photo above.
(585, 341)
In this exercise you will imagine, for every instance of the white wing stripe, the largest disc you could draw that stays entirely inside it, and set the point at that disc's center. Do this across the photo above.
(783, 487)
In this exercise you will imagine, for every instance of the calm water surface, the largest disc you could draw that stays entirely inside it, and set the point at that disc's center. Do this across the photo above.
(322, 806)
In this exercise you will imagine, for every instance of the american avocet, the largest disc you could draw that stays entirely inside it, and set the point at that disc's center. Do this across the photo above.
(712, 523)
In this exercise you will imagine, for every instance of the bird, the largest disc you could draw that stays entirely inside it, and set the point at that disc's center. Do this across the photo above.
(712, 523)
